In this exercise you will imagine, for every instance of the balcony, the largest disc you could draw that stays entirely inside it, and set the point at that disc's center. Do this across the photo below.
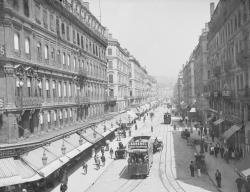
(217, 71)
(111, 98)
(226, 93)
(28, 101)
(242, 58)
(82, 73)
(207, 94)
(82, 100)
(216, 94)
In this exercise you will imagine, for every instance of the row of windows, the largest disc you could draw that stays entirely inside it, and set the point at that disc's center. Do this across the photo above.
(68, 114)
(65, 59)
(55, 88)
(235, 83)
(237, 19)
(67, 32)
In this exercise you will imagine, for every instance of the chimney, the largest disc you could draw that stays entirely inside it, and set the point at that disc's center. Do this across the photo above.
(211, 9)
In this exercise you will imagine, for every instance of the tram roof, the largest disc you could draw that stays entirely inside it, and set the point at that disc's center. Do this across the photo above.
(137, 151)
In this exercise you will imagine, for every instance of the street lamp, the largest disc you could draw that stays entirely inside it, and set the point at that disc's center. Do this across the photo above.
(80, 140)
(44, 158)
(63, 148)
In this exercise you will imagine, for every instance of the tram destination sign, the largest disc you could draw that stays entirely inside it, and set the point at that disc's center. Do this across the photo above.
(138, 145)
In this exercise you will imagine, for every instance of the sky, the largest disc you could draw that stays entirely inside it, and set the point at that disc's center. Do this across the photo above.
(161, 34)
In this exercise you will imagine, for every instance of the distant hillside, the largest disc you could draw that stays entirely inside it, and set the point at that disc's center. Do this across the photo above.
(165, 81)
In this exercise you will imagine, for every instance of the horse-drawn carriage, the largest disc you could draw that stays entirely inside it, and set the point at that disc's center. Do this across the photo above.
(121, 152)
(185, 134)
(157, 145)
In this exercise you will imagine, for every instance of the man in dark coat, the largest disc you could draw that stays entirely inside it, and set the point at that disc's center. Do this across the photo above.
(191, 167)
(218, 178)
(239, 183)
(103, 160)
(63, 187)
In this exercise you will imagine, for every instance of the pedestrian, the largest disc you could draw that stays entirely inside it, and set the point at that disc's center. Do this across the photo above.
(111, 152)
(222, 150)
(102, 150)
(191, 167)
(103, 160)
(206, 146)
(63, 187)
(239, 183)
(98, 163)
(216, 150)
(152, 129)
(85, 167)
(218, 178)
(212, 135)
(205, 131)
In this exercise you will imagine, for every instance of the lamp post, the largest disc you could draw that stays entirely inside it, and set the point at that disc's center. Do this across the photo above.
(80, 140)
(44, 158)
(63, 149)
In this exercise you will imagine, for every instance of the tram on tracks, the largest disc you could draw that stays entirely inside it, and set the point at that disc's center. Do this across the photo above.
(140, 151)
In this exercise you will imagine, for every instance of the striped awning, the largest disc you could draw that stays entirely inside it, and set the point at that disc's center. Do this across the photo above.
(228, 133)
(219, 121)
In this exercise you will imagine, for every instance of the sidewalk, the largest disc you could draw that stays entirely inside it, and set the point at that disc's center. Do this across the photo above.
(227, 170)
(78, 181)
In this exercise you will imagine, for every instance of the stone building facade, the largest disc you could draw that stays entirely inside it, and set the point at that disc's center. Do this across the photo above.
(53, 66)
(138, 85)
(118, 75)
(228, 69)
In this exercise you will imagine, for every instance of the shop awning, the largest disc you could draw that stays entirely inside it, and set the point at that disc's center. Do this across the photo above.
(246, 172)
(210, 118)
(219, 121)
(228, 133)
(84, 146)
(15, 172)
(50, 168)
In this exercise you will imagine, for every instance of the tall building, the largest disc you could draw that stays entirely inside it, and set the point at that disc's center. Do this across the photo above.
(53, 67)
(228, 79)
(188, 82)
(118, 75)
(137, 82)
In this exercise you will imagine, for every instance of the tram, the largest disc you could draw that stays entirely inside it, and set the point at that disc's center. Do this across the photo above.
(140, 151)
(167, 118)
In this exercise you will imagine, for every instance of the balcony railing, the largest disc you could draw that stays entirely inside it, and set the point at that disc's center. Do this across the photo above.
(82, 72)
(226, 93)
(28, 101)
(243, 93)
(111, 98)
(242, 58)
(81, 100)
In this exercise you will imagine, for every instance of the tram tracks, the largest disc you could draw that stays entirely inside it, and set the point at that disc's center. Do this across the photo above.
(166, 173)
(132, 185)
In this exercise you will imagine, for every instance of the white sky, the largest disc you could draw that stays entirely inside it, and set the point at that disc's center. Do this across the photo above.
(161, 34)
